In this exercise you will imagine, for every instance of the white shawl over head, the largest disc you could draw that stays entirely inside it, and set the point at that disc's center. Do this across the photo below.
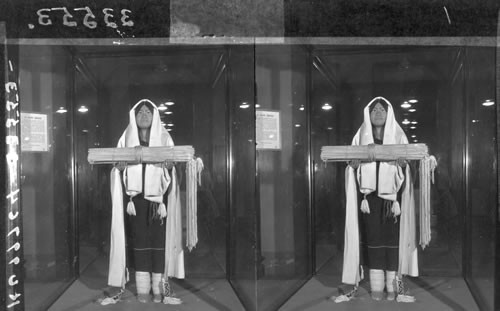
(390, 176)
(157, 178)
(156, 183)
(390, 180)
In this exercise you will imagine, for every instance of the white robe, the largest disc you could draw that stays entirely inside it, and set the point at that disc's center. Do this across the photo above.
(390, 179)
(157, 181)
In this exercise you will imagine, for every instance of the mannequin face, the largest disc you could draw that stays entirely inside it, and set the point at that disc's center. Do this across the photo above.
(378, 116)
(144, 118)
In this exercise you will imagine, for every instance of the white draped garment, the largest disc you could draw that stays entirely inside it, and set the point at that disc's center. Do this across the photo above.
(156, 182)
(390, 179)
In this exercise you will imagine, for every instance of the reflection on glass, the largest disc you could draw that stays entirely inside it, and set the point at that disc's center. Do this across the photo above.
(93, 214)
(209, 137)
(46, 181)
(482, 179)
(282, 182)
(241, 163)
(329, 202)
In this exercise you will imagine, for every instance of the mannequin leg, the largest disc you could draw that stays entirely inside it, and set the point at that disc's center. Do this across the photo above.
(389, 284)
(377, 284)
(156, 284)
(143, 284)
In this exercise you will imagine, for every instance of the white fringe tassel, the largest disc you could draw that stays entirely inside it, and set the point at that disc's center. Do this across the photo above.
(131, 207)
(193, 173)
(364, 206)
(427, 167)
(396, 210)
(162, 210)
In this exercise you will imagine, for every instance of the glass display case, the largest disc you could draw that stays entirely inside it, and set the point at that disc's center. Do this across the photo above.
(271, 213)
(443, 97)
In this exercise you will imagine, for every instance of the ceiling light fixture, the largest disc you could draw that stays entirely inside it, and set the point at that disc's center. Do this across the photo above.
(162, 107)
(413, 101)
(169, 103)
(405, 122)
(61, 110)
(244, 105)
(83, 109)
(412, 110)
(326, 106)
(405, 105)
(488, 102)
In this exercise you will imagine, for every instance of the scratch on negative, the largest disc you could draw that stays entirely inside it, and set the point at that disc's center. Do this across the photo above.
(447, 15)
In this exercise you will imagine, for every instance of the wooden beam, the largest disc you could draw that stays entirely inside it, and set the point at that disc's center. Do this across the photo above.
(374, 152)
(140, 155)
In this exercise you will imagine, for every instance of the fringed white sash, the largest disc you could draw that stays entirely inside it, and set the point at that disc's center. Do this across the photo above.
(117, 275)
(427, 167)
(408, 260)
(193, 172)
(174, 254)
(351, 267)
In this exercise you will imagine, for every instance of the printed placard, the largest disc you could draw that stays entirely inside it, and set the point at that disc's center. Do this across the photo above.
(34, 132)
(268, 129)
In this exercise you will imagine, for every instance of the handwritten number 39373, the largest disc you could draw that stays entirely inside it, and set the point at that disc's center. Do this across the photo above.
(88, 20)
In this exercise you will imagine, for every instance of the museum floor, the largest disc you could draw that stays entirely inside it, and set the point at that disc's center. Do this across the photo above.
(432, 293)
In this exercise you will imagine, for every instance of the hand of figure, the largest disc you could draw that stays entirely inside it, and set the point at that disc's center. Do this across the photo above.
(401, 162)
(169, 164)
(121, 165)
(354, 163)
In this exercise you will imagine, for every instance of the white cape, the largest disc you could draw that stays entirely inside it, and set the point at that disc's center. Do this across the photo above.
(390, 180)
(157, 182)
